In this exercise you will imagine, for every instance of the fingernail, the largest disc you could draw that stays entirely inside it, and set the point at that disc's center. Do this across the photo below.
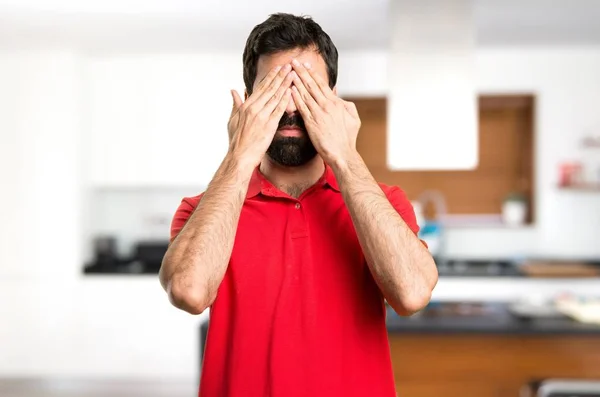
(307, 65)
(287, 67)
(295, 62)
(277, 68)
(294, 75)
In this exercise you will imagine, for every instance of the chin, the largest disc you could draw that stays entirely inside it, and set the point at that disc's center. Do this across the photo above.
(290, 161)
(291, 151)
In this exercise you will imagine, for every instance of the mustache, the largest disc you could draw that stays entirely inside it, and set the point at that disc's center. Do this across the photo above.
(294, 120)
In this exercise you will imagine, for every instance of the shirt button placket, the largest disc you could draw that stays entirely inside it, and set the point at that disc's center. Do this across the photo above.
(297, 223)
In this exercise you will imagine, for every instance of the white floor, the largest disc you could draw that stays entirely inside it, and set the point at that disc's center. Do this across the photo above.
(95, 388)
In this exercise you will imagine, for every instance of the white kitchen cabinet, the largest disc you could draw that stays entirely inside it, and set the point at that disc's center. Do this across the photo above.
(40, 93)
(128, 328)
(159, 120)
(98, 327)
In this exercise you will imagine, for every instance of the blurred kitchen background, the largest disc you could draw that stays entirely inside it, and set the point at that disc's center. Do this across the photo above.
(485, 112)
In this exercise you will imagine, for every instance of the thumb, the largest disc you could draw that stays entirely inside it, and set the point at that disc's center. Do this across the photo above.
(351, 108)
(237, 100)
(233, 118)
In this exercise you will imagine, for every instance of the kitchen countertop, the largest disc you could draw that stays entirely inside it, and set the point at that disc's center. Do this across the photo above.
(450, 268)
(488, 318)
(495, 318)
(453, 267)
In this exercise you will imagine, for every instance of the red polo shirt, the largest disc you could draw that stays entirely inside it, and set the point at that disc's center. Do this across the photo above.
(298, 312)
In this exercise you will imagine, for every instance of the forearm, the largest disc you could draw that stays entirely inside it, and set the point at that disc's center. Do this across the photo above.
(197, 259)
(401, 266)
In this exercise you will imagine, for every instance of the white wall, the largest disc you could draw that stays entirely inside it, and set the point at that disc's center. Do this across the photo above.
(159, 120)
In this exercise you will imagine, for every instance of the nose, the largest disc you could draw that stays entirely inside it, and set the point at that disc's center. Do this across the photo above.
(291, 107)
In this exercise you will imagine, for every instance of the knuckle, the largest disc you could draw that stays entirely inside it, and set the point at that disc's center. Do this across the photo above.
(277, 96)
(262, 116)
(252, 110)
(276, 82)
(329, 107)
(244, 108)
(273, 102)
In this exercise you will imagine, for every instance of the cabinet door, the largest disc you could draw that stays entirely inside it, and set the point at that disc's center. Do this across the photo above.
(158, 121)
(189, 106)
(118, 119)
(133, 321)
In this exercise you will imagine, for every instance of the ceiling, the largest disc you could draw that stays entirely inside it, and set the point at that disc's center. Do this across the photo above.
(142, 25)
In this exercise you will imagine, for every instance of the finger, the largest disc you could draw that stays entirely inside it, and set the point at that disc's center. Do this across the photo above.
(350, 108)
(307, 98)
(281, 106)
(309, 82)
(268, 91)
(237, 101)
(323, 86)
(268, 79)
(273, 100)
(301, 104)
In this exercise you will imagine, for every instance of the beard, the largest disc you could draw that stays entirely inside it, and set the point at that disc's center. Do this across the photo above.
(292, 151)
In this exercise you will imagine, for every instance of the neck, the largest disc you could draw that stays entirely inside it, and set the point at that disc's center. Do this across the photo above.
(293, 180)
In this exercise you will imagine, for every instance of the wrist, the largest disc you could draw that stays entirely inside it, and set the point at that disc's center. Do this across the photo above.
(240, 164)
(344, 164)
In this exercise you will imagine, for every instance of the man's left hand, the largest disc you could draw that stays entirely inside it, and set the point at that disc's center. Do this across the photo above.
(331, 122)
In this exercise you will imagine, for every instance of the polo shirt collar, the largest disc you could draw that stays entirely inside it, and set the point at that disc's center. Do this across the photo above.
(260, 184)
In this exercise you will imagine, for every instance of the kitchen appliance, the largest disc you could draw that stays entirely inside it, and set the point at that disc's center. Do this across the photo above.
(149, 254)
(105, 251)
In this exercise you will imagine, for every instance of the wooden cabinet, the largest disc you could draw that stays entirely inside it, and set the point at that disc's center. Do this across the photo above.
(494, 365)
(505, 157)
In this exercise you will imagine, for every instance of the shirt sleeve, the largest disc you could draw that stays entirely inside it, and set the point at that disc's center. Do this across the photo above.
(404, 208)
(183, 213)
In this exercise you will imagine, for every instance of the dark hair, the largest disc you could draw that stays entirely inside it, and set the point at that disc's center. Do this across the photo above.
(283, 32)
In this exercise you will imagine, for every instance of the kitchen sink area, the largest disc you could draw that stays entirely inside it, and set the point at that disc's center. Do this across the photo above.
(475, 268)
(543, 268)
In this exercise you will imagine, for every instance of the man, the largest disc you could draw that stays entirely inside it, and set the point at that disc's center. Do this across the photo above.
(293, 246)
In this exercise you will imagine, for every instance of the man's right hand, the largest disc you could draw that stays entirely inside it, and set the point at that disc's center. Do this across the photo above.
(253, 123)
